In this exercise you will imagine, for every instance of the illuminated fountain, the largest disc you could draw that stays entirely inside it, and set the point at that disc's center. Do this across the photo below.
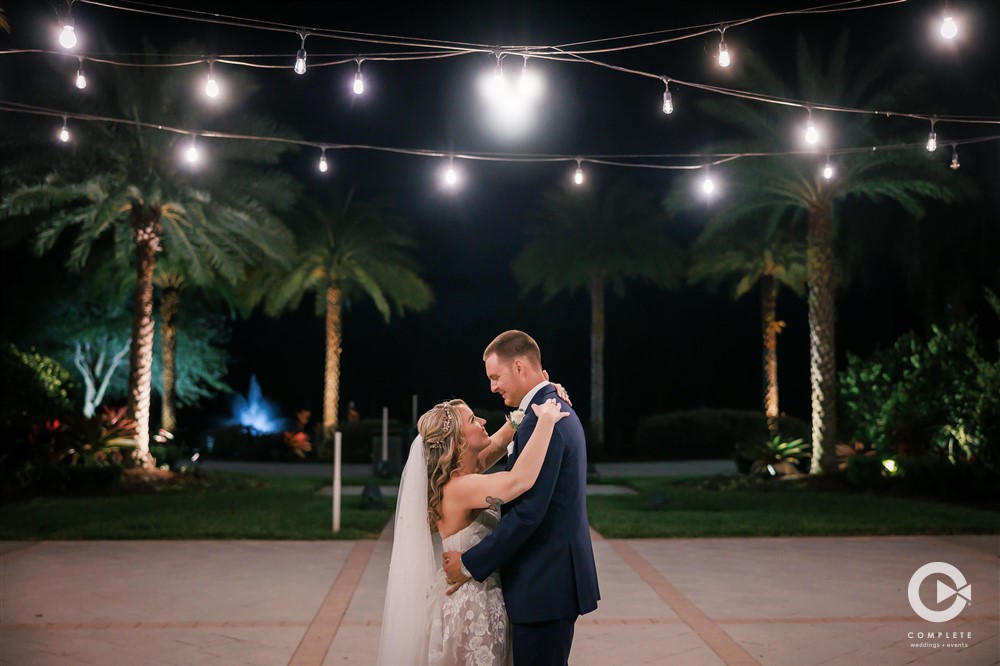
(255, 412)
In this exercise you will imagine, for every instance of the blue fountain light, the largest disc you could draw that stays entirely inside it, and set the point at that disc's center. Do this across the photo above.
(255, 412)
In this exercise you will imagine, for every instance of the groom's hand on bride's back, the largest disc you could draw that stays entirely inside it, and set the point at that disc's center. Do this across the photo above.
(451, 562)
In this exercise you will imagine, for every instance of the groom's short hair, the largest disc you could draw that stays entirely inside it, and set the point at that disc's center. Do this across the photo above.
(514, 344)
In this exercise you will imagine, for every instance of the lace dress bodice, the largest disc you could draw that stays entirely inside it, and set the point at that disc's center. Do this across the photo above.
(469, 627)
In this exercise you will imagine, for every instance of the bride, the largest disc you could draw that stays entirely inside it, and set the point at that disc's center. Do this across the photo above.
(443, 490)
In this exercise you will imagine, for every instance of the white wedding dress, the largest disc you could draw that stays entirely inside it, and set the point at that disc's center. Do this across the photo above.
(470, 627)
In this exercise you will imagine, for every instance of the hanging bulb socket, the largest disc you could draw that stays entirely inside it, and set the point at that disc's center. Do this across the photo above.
(300, 57)
(668, 99)
(724, 59)
(81, 78)
(948, 28)
(954, 159)
(211, 86)
(67, 36)
(828, 170)
(359, 83)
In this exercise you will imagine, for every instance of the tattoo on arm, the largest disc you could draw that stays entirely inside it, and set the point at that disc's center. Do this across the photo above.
(494, 502)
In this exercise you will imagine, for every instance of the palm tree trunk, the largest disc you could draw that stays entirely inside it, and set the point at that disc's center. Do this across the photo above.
(822, 354)
(769, 334)
(331, 384)
(597, 362)
(169, 312)
(146, 232)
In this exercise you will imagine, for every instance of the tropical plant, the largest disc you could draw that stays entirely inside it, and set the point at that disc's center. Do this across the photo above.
(794, 184)
(746, 255)
(136, 190)
(350, 250)
(774, 457)
(595, 242)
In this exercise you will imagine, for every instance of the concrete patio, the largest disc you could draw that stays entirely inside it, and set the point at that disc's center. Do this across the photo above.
(781, 601)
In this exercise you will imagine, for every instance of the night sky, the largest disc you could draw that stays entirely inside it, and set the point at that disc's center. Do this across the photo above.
(665, 350)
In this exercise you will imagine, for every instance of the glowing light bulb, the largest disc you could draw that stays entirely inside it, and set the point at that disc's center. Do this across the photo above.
(724, 59)
(932, 141)
(828, 171)
(954, 159)
(81, 79)
(323, 166)
(192, 155)
(300, 62)
(578, 176)
(707, 185)
(64, 132)
(211, 87)
(812, 134)
(67, 37)
(359, 84)
(948, 28)
(668, 103)
(450, 177)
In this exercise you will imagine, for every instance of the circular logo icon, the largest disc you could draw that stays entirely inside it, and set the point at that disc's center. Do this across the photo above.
(960, 589)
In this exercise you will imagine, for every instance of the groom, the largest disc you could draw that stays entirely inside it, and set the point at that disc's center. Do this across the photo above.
(542, 545)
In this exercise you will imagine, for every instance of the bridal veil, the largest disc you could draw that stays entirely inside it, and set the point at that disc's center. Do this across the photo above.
(411, 569)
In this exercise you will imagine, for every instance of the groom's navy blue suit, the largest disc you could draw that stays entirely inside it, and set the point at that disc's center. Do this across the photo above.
(542, 545)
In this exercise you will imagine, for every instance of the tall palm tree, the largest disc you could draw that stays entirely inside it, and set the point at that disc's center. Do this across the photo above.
(795, 184)
(136, 190)
(350, 250)
(747, 255)
(592, 241)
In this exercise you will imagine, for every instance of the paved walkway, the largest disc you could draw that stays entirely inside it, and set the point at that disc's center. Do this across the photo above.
(786, 601)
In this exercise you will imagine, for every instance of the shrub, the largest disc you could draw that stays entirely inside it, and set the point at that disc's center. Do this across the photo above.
(707, 433)
(939, 397)
(37, 397)
(773, 457)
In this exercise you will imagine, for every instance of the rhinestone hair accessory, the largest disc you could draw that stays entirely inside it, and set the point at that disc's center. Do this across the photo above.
(446, 420)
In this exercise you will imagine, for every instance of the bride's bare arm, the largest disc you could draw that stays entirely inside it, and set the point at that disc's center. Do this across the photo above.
(471, 491)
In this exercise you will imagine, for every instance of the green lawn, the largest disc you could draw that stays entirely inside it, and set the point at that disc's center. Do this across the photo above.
(779, 511)
(241, 506)
(235, 506)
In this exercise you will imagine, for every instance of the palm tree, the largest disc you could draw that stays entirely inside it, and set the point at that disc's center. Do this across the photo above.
(350, 249)
(795, 184)
(746, 255)
(135, 190)
(596, 241)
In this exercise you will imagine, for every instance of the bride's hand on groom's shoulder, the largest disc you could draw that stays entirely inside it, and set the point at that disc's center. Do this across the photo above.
(550, 409)
(560, 389)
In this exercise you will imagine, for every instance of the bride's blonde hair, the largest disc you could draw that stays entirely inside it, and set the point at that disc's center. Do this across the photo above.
(441, 430)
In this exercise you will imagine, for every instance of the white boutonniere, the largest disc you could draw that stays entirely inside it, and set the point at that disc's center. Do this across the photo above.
(515, 418)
